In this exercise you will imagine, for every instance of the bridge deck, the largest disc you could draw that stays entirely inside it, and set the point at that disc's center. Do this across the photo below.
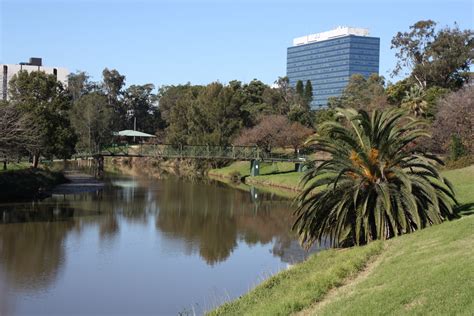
(193, 152)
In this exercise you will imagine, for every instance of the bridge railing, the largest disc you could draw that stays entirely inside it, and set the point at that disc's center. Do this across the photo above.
(196, 151)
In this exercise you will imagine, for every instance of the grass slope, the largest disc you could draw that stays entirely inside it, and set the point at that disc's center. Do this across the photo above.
(430, 272)
(243, 167)
(293, 289)
(463, 181)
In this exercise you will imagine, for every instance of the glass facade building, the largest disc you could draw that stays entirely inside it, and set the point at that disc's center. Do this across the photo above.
(329, 63)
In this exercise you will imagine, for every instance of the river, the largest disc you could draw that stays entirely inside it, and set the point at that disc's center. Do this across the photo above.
(141, 246)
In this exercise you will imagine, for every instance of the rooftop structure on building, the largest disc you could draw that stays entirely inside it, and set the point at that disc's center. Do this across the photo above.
(329, 59)
(340, 31)
(7, 71)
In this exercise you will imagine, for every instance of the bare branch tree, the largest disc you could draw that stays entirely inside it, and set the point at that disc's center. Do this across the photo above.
(274, 131)
(17, 134)
(455, 117)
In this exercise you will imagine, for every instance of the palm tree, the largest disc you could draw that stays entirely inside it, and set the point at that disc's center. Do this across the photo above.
(373, 186)
(414, 101)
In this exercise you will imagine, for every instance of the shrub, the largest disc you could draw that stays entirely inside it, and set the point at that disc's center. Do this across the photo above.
(457, 149)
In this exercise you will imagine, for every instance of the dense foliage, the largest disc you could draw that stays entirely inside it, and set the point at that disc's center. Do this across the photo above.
(47, 103)
(373, 186)
(215, 114)
(434, 57)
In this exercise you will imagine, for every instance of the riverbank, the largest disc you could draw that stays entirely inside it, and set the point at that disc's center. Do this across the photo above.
(436, 262)
(78, 182)
(278, 175)
(28, 183)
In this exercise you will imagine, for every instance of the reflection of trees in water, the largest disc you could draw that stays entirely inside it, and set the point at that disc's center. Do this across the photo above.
(108, 227)
(212, 218)
(5, 304)
(33, 253)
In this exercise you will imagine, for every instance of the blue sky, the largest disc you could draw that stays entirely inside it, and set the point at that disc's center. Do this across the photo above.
(172, 42)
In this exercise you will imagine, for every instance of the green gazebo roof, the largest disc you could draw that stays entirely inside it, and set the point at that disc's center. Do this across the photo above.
(131, 133)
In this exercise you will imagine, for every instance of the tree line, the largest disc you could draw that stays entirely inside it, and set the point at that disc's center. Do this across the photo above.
(44, 118)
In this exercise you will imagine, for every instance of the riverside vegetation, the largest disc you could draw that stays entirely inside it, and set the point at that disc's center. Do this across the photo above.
(27, 183)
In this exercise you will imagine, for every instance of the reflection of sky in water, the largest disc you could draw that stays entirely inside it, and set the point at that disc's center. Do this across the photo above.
(141, 246)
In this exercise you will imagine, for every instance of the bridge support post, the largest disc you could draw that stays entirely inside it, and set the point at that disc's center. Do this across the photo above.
(299, 167)
(254, 167)
(100, 166)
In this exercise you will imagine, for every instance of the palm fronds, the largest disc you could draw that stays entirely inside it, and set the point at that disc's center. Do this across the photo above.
(372, 187)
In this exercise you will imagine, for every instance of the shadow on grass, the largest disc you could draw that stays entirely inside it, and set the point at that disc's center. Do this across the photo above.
(242, 179)
(465, 209)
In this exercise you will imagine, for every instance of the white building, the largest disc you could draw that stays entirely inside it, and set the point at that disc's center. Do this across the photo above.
(35, 64)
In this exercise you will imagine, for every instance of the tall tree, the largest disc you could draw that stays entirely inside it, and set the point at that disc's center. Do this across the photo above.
(113, 83)
(254, 105)
(286, 91)
(308, 92)
(362, 93)
(91, 118)
(216, 115)
(44, 98)
(78, 84)
(178, 114)
(433, 58)
(141, 106)
(300, 88)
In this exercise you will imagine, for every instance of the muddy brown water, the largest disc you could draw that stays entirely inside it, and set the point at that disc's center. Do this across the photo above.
(140, 246)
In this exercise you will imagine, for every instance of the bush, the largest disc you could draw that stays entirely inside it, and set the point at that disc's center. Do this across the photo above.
(457, 149)
(462, 162)
(235, 176)
(455, 117)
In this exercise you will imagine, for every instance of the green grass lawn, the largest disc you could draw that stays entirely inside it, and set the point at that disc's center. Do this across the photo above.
(463, 181)
(243, 167)
(428, 272)
(15, 166)
(278, 174)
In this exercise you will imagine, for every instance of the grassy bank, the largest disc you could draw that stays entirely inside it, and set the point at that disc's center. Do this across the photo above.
(293, 289)
(279, 174)
(27, 183)
(12, 166)
(427, 272)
